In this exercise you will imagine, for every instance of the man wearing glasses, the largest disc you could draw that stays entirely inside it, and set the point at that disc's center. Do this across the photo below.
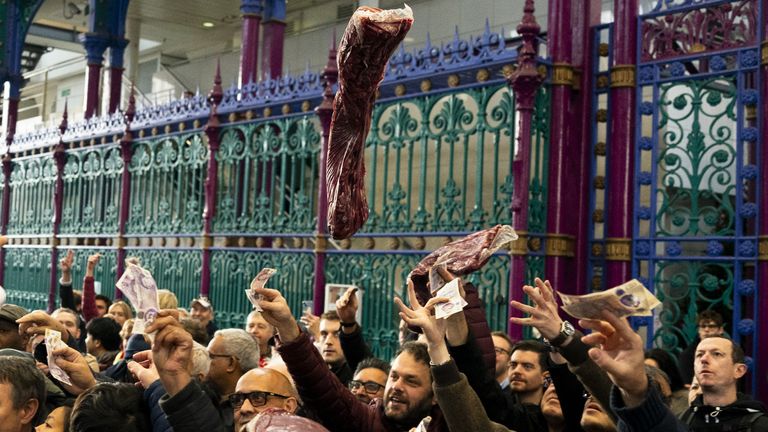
(370, 379)
(502, 344)
(710, 324)
(258, 390)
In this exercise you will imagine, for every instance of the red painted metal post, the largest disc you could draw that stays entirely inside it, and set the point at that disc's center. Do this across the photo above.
(116, 53)
(563, 150)
(212, 129)
(621, 164)
(249, 54)
(126, 154)
(60, 157)
(587, 15)
(324, 111)
(272, 52)
(525, 81)
(95, 45)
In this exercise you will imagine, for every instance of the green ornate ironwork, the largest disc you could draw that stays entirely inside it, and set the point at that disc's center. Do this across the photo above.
(685, 289)
(32, 181)
(167, 176)
(427, 161)
(382, 276)
(28, 276)
(232, 272)
(267, 179)
(696, 160)
(91, 200)
(537, 201)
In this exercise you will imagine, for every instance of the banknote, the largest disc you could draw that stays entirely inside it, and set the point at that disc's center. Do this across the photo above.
(435, 280)
(257, 283)
(628, 299)
(140, 288)
(455, 302)
(53, 342)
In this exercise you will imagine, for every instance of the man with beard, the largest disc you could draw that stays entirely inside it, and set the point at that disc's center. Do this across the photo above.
(527, 369)
(408, 395)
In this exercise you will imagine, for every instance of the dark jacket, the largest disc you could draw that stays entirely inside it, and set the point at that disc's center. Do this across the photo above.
(705, 418)
(152, 396)
(650, 416)
(354, 347)
(191, 410)
(337, 408)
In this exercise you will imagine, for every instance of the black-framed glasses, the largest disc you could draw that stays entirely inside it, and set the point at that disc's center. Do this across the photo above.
(369, 386)
(256, 398)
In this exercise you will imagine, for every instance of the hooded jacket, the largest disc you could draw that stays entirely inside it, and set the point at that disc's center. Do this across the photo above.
(733, 417)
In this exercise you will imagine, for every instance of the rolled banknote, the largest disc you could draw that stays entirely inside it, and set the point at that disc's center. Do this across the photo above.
(455, 303)
(52, 343)
(257, 283)
(140, 288)
(628, 299)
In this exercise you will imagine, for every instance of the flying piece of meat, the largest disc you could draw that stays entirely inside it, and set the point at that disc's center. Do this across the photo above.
(369, 40)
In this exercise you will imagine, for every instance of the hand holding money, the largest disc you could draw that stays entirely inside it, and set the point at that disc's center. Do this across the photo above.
(140, 288)
(76, 367)
(276, 311)
(628, 299)
(37, 322)
(260, 281)
(171, 351)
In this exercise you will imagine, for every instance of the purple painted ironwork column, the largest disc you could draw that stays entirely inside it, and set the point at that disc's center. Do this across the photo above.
(126, 154)
(325, 112)
(273, 38)
(60, 157)
(587, 14)
(95, 45)
(762, 263)
(621, 163)
(249, 55)
(212, 129)
(563, 149)
(116, 54)
(525, 81)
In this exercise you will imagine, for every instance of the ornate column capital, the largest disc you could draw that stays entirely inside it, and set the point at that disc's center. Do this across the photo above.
(618, 249)
(623, 76)
(95, 44)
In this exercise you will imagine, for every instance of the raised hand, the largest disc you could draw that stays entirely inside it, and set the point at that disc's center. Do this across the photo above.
(65, 265)
(35, 323)
(424, 317)
(544, 315)
(456, 329)
(75, 365)
(171, 351)
(93, 260)
(276, 312)
(346, 306)
(620, 354)
(312, 323)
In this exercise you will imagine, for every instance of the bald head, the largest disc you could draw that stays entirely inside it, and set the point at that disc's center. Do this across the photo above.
(260, 389)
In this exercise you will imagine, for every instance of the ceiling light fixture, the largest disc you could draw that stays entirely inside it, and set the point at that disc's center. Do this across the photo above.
(208, 24)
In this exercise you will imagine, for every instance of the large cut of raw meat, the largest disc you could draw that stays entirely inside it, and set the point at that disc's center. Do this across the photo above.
(462, 256)
(369, 40)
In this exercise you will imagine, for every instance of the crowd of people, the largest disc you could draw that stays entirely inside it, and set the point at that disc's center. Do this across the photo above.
(277, 373)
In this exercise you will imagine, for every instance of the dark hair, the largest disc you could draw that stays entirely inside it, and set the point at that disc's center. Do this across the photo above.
(107, 331)
(114, 407)
(533, 346)
(503, 336)
(196, 329)
(69, 311)
(375, 363)
(330, 315)
(737, 353)
(710, 315)
(655, 375)
(668, 364)
(417, 349)
(105, 299)
(26, 381)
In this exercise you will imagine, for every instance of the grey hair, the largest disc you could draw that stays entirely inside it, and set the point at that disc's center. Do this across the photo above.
(200, 360)
(240, 344)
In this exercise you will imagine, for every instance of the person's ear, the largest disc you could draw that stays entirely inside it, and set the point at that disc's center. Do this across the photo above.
(233, 365)
(291, 404)
(28, 410)
(739, 370)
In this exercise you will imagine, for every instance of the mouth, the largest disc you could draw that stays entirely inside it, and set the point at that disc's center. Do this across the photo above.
(396, 401)
(594, 407)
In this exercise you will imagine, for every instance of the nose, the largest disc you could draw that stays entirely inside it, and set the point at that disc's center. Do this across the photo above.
(247, 408)
(358, 391)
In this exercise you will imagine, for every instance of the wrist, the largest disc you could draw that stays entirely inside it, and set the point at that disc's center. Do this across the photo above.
(289, 332)
(174, 383)
(438, 354)
(348, 327)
